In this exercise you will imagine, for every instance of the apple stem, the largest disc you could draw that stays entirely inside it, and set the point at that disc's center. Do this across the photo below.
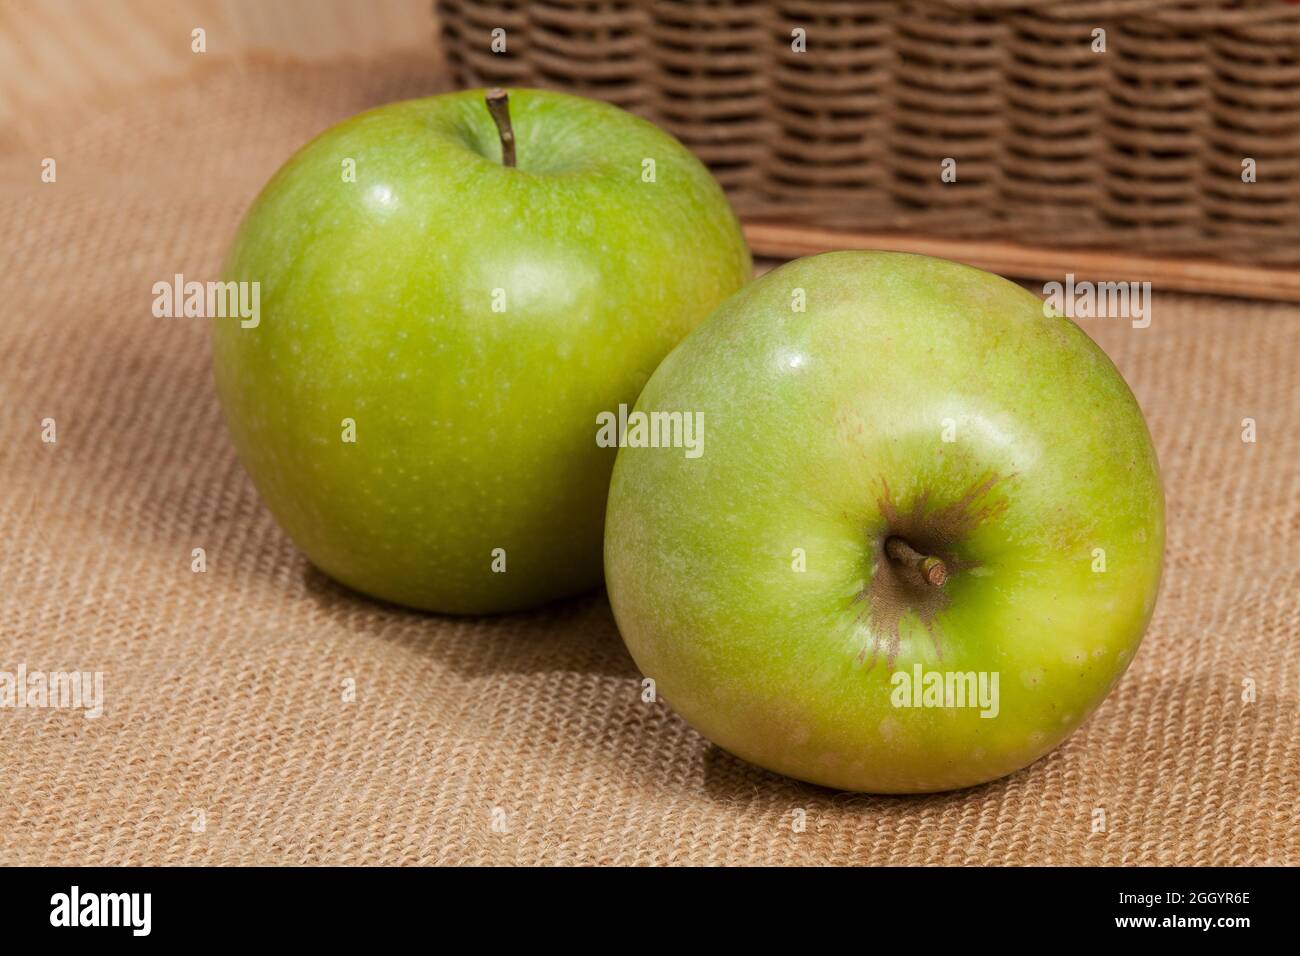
(932, 569)
(498, 104)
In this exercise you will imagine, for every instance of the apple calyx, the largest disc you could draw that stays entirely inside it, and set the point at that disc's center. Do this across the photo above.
(498, 104)
(932, 570)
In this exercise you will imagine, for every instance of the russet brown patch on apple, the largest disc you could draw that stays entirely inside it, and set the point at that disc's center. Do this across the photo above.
(895, 589)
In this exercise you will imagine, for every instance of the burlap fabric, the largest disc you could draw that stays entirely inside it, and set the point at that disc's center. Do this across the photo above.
(228, 735)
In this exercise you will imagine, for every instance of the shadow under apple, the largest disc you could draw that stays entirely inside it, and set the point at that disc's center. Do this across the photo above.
(572, 635)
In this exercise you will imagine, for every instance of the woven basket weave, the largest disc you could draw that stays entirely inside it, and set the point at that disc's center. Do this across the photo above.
(1138, 148)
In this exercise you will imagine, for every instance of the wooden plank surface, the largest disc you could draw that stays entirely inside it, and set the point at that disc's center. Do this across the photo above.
(1032, 262)
(60, 54)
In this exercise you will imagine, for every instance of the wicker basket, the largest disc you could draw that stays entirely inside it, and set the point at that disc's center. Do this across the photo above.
(1139, 148)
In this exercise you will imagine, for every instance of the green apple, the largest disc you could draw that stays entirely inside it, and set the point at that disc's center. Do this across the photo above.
(920, 539)
(439, 329)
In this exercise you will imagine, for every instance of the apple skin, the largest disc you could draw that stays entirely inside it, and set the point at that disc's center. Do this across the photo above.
(475, 429)
(824, 432)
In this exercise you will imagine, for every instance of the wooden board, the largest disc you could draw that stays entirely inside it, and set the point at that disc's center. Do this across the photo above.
(1030, 262)
(64, 55)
